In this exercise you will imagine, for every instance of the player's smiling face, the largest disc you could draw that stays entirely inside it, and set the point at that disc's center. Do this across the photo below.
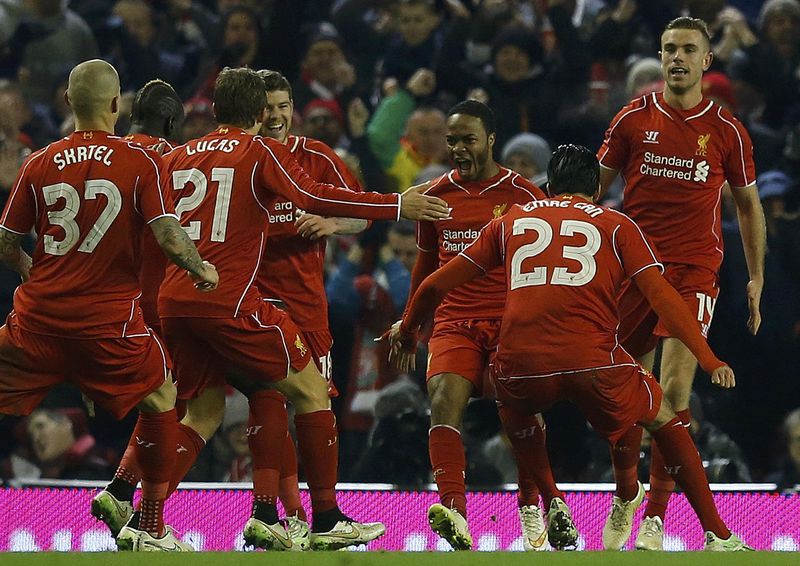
(685, 56)
(279, 115)
(469, 146)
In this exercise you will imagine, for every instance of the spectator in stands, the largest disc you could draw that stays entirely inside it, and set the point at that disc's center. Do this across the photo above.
(325, 71)
(323, 120)
(787, 473)
(62, 40)
(406, 137)
(528, 155)
(58, 445)
(728, 27)
(199, 118)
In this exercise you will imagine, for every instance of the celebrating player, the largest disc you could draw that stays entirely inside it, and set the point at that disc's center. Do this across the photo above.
(676, 150)
(465, 334)
(76, 316)
(565, 260)
(223, 184)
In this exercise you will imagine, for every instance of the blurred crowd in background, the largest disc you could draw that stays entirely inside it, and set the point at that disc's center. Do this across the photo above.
(373, 79)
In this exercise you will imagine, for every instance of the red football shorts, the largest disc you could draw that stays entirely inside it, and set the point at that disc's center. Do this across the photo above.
(116, 373)
(319, 344)
(611, 399)
(262, 346)
(464, 348)
(640, 328)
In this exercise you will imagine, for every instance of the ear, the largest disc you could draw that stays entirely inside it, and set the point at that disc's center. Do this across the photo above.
(596, 195)
(115, 105)
(491, 139)
(707, 60)
(169, 126)
(66, 98)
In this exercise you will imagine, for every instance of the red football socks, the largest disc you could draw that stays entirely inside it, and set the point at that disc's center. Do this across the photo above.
(661, 483)
(288, 490)
(317, 438)
(528, 438)
(189, 445)
(155, 451)
(625, 460)
(266, 434)
(682, 462)
(448, 463)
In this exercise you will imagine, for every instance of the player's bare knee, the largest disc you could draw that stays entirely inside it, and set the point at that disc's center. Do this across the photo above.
(449, 395)
(306, 389)
(204, 414)
(161, 400)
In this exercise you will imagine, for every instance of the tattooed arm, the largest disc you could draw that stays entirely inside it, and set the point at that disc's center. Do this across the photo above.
(180, 249)
(13, 255)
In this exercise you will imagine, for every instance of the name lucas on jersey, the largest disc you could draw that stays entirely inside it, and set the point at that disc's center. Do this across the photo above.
(221, 144)
(81, 153)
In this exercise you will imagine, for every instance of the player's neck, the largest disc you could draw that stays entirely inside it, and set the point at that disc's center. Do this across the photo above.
(95, 125)
(489, 171)
(684, 101)
(137, 128)
(252, 130)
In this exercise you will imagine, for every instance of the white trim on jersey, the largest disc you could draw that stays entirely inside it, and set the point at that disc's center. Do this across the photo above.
(450, 178)
(319, 198)
(158, 173)
(12, 231)
(616, 341)
(130, 318)
(614, 243)
(252, 277)
(657, 264)
(514, 182)
(437, 181)
(253, 188)
(714, 222)
(617, 123)
(706, 109)
(655, 101)
(646, 243)
(31, 159)
(509, 172)
(741, 146)
(465, 256)
(333, 164)
(538, 376)
(296, 143)
(155, 337)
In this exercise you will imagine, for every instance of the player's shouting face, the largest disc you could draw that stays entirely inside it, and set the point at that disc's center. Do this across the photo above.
(279, 115)
(469, 146)
(685, 54)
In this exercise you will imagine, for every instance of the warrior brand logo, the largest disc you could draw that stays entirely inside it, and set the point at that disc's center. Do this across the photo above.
(701, 172)
(253, 430)
(298, 343)
(529, 432)
(673, 470)
(181, 448)
(702, 144)
(144, 443)
(651, 136)
(499, 210)
(332, 441)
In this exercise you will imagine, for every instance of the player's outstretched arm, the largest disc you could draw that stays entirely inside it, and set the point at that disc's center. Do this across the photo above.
(607, 176)
(181, 251)
(754, 238)
(672, 310)
(12, 254)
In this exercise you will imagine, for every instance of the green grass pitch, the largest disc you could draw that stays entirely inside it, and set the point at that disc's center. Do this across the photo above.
(402, 559)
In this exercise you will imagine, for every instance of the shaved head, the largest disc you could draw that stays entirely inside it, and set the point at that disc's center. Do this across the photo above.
(93, 85)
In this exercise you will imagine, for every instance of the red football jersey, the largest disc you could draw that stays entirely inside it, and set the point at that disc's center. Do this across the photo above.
(153, 260)
(292, 268)
(225, 183)
(674, 164)
(472, 205)
(88, 196)
(565, 260)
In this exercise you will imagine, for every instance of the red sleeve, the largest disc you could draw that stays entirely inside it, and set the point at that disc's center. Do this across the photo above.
(613, 154)
(282, 175)
(740, 170)
(20, 211)
(151, 187)
(675, 315)
(632, 248)
(456, 272)
(488, 249)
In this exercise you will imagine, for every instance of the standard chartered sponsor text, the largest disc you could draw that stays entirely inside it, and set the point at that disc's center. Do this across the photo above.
(672, 167)
(458, 240)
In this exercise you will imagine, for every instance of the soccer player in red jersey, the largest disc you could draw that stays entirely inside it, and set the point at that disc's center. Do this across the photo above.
(156, 118)
(565, 261)
(466, 328)
(76, 316)
(223, 184)
(676, 150)
(292, 270)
